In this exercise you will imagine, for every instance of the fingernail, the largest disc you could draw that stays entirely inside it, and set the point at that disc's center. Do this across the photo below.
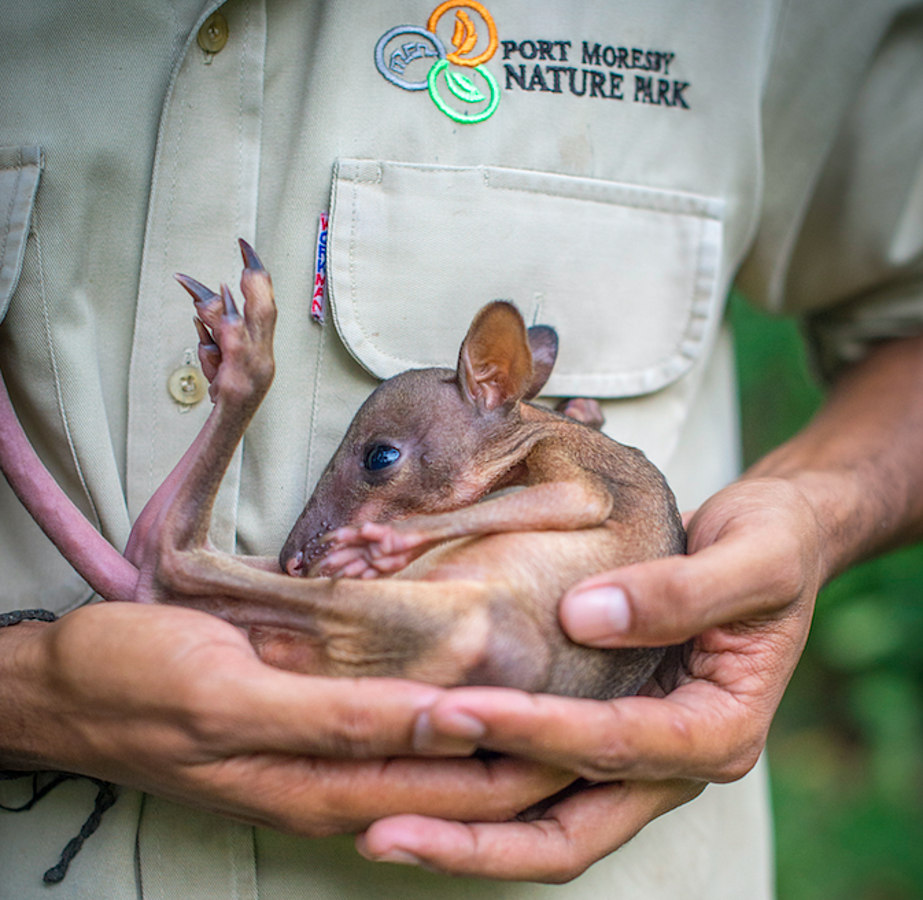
(462, 725)
(596, 614)
(394, 855)
(464, 731)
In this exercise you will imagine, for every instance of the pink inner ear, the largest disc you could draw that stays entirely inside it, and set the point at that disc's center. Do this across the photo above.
(95, 559)
(495, 362)
(493, 384)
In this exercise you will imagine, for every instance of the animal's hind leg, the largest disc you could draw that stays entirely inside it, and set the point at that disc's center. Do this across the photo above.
(443, 632)
(236, 353)
(237, 356)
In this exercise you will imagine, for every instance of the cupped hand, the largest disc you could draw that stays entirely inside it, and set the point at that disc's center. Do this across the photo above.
(745, 593)
(175, 702)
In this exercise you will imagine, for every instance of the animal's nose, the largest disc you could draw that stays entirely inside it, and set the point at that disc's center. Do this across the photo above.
(294, 565)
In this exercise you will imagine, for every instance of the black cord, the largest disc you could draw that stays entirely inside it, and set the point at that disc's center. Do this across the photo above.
(106, 796)
(37, 791)
(23, 615)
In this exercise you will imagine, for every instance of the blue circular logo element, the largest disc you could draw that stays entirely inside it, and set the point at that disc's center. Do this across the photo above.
(422, 44)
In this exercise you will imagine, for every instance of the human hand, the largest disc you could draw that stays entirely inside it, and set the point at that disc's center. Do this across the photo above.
(175, 702)
(746, 591)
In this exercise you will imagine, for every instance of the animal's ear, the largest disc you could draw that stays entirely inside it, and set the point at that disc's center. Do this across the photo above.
(543, 340)
(495, 362)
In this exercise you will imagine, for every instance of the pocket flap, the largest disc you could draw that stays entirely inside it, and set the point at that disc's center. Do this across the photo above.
(626, 275)
(20, 168)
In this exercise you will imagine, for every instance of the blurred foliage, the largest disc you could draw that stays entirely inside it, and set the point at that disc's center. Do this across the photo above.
(846, 749)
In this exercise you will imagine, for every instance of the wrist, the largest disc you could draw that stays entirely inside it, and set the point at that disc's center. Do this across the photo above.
(857, 462)
(23, 699)
(851, 517)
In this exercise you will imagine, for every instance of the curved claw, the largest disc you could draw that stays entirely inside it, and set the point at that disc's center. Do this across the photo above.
(201, 294)
(205, 338)
(231, 312)
(251, 260)
(209, 352)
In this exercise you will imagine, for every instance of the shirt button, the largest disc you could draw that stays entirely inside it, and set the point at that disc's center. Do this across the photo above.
(213, 34)
(187, 385)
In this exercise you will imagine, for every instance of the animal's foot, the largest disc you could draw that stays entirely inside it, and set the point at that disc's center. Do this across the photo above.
(371, 550)
(583, 409)
(235, 346)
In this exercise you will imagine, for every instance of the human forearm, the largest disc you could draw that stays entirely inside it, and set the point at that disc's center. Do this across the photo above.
(859, 462)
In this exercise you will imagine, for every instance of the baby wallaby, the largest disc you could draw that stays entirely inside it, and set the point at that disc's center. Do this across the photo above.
(440, 537)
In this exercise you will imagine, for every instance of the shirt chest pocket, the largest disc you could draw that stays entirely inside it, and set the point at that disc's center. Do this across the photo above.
(628, 276)
(20, 168)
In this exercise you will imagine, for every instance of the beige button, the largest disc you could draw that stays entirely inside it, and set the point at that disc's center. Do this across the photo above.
(187, 385)
(213, 34)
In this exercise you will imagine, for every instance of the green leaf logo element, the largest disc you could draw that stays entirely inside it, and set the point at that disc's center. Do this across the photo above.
(463, 88)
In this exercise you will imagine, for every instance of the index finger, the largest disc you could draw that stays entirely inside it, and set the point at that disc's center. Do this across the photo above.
(314, 797)
(699, 731)
(271, 710)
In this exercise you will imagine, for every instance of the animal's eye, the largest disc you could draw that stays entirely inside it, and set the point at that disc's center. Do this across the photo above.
(380, 457)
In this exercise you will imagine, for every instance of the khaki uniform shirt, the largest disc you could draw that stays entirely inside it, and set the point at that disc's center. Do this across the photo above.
(609, 167)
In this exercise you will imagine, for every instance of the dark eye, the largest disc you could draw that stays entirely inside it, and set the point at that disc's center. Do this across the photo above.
(380, 457)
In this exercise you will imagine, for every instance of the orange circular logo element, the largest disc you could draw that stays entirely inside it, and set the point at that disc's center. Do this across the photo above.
(465, 37)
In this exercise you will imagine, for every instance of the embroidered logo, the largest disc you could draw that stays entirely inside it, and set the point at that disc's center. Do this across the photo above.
(416, 59)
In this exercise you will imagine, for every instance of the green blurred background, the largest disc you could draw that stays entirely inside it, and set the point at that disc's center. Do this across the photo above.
(846, 748)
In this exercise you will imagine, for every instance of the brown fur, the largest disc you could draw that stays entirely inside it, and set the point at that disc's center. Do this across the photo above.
(447, 562)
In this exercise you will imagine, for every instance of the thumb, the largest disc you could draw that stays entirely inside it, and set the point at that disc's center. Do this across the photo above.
(669, 600)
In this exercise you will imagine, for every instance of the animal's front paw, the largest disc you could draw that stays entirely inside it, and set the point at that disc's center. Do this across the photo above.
(371, 550)
(235, 346)
(583, 409)
(348, 562)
